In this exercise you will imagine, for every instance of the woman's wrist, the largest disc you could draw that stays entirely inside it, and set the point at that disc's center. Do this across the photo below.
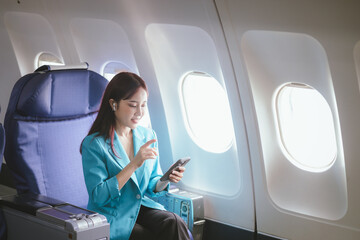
(161, 185)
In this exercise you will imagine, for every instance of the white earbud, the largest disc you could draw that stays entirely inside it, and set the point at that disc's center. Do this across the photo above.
(114, 107)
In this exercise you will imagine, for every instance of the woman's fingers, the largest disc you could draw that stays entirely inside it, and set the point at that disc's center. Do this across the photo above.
(148, 143)
(174, 178)
(151, 153)
(177, 174)
(180, 169)
(145, 152)
(148, 152)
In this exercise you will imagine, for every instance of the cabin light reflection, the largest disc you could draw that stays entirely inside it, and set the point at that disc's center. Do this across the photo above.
(306, 127)
(207, 112)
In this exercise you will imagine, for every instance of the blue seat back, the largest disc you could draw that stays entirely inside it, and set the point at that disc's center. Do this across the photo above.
(49, 114)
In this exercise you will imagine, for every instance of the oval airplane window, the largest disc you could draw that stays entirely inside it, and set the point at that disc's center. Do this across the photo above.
(48, 59)
(207, 112)
(110, 69)
(306, 127)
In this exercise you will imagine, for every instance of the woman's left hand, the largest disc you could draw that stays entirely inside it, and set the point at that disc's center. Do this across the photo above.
(177, 174)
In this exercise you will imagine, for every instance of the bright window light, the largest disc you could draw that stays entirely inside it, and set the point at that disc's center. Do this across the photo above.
(112, 68)
(109, 76)
(207, 112)
(306, 127)
(48, 59)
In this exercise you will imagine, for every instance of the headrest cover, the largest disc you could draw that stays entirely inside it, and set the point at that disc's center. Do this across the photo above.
(61, 94)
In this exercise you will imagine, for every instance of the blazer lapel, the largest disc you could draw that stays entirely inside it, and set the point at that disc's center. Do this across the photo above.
(122, 158)
(138, 140)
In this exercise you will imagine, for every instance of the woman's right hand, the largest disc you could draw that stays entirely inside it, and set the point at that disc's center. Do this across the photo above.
(145, 152)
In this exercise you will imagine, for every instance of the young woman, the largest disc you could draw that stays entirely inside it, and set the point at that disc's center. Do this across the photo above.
(121, 166)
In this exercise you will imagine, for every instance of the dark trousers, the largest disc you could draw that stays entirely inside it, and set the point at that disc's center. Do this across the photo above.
(153, 224)
(2, 227)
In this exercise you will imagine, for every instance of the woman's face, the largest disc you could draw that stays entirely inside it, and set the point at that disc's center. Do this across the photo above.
(129, 112)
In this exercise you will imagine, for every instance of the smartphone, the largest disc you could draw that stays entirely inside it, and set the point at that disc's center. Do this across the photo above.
(179, 163)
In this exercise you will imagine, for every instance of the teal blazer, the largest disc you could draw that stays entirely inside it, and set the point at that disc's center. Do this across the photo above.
(100, 165)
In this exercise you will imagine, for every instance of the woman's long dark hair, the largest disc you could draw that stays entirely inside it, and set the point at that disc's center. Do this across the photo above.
(121, 87)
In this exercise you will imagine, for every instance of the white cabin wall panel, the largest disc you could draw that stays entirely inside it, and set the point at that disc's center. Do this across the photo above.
(170, 53)
(272, 59)
(30, 34)
(335, 26)
(10, 72)
(218, 208)
(100, 41)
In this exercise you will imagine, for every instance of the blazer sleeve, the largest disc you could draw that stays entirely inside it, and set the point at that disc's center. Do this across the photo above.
(101, 188)
(156, 174)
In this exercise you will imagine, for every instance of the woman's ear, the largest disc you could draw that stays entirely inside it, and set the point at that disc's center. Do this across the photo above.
(112, 104)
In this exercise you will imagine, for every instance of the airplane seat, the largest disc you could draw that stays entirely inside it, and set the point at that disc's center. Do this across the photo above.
(49, 114)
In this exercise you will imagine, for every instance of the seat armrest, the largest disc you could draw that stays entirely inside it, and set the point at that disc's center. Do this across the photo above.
(22, 203)
(34, 216)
